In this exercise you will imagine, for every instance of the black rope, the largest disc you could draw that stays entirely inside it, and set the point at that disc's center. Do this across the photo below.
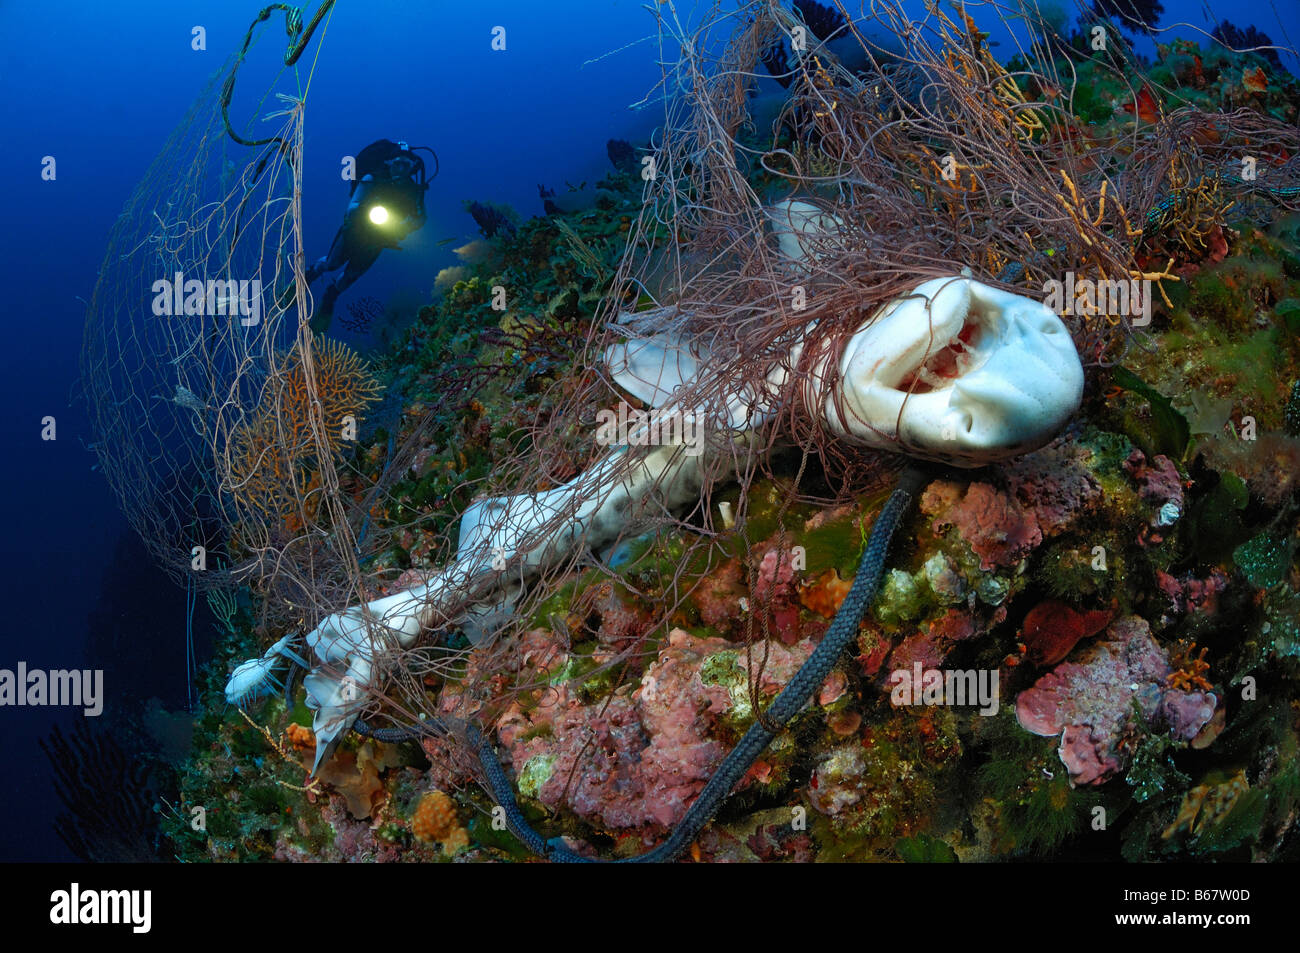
(300, 38)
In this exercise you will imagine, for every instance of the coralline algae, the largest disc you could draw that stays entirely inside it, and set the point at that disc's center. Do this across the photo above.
(1089, 702)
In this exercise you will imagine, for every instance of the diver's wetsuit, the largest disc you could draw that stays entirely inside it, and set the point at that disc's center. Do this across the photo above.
(387, 174)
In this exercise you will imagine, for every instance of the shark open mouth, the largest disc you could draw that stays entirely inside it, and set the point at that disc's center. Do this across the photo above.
(960, 356)
(957, 371)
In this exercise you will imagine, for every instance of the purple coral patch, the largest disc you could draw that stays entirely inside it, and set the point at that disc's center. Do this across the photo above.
(1089, 701)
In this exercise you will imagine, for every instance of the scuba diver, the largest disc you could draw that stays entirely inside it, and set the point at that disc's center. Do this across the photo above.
(386, 204)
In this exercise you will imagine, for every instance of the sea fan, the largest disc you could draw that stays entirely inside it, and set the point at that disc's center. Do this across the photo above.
(490, 219)
(1235, 37)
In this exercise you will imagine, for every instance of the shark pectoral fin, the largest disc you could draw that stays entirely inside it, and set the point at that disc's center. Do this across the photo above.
(651, 368)
(335, 704)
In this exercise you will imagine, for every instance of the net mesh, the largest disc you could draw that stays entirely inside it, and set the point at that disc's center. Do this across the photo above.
(232, 435)
(930, 160)
(222, 424)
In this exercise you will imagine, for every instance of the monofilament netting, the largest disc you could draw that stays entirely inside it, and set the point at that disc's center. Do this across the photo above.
(930, 157)
(234, 436)
(221, 423)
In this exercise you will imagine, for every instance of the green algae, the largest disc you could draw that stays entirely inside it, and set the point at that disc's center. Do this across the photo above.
(483, 833)
(590, 680)
(1214, 522)
(1281, 629)
(1288, 310)
(924, 849)
(1151, 769)
(1291, 415)
(1264, 559)
(1033, 807)
(1232, 331)
(725, 670)
(1067, 569)
(1239, 827)
(1169, 432)
(536, 772)
(837, 541)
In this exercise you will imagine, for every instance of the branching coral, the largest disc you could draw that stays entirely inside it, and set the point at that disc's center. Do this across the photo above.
(1185, 219)
(310, 407)
(108, 797)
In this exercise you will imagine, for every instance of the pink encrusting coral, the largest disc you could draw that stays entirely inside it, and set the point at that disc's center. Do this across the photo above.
(1055, 483)
(1052, 629)
(718, 596)
(1158, 481)
(775, 576)
(999, 530)
(775, 595)
(1189, 594)
(621, 624)
(1089, 702)
(1159, 486)
(637, 759)
(931, 644)
(1045, 493)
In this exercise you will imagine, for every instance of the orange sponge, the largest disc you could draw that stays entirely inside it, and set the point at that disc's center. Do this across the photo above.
(435, 821)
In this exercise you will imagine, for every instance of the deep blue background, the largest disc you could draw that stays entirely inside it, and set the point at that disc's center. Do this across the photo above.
(99, 86)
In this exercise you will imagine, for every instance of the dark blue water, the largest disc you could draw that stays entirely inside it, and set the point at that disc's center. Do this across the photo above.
(99, 86)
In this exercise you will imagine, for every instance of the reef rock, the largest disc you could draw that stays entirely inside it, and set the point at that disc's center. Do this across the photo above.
(1089, 702)
(1159, 485)
(998, 529)
(636, 760)
(1045, 493)
(1055, 482)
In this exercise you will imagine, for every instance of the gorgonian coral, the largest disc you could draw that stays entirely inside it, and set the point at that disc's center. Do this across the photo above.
(314, 401)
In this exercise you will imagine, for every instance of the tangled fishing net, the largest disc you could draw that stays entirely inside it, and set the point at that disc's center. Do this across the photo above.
(928, 157)
(221, 423)
(928, 162)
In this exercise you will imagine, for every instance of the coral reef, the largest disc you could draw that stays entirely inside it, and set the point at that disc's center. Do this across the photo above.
(1092, 703)
(636, 759)
(1133, 584)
